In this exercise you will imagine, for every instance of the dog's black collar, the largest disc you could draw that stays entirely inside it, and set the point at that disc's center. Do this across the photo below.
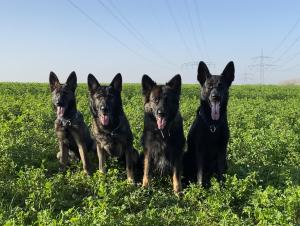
(64, 122)
(213, 127)
(114, 132)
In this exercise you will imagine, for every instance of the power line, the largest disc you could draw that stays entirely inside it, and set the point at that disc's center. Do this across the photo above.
(99, 26)
(286, 36)
(192, 26)
(127, 25)
(287, 49)
(202, 34)
(178, 29)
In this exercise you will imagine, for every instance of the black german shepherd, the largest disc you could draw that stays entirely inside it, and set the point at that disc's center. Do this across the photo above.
(110, 126)
(209, 134)
(72, 133)
(163, 138)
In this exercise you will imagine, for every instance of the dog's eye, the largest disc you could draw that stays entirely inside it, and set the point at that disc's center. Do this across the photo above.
(209, 86)
(156, 99)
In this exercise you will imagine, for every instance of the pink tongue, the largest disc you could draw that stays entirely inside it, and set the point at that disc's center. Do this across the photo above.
(104, 120)
(215, 110)
(161, 122)
(60, 111)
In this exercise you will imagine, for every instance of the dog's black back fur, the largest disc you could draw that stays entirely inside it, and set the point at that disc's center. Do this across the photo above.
(209, 134)
(163, 138)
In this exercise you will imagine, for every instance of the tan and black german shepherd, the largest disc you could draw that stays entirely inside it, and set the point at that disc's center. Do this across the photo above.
(110, 126)
(163, 138)
(72, 133)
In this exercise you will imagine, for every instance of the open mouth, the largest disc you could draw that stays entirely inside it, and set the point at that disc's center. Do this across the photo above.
(60, 111)
(215, 110)
(104, 119)
(161, 122)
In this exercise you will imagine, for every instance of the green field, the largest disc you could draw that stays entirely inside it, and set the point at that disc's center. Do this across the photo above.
(262, 186)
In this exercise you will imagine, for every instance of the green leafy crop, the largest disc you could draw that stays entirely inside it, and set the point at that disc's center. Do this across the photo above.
(262, 185)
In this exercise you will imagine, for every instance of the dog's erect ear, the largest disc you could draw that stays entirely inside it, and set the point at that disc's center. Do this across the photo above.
(228, 73)
(175, 83)
(72, 81)
(116, 83)
(203, 73)
(147, 84)
(93, 84)
(53, 81)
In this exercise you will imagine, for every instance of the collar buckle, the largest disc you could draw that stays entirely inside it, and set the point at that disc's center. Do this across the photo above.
(212, 128)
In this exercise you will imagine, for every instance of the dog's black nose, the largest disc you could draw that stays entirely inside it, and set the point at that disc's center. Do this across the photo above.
(59, 103)
(103, 108)
(161, 113)
(215, 96)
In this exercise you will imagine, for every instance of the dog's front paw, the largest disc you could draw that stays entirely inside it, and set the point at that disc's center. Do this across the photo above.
(177, 189)
(87, 172)
(58, 155)
(145, 182)
(130, 181)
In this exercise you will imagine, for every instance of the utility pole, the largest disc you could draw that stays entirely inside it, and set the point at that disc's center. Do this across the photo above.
(262, 66)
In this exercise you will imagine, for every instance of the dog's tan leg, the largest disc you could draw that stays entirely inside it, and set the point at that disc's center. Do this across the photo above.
(146, 169)
(176, 179)
(101, 157)
(129, 165)
(63, 154)
(82, 151)
(63, 149)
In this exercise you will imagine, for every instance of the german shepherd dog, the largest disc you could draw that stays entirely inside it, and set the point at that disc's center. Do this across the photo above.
(72, 133)
(163, 138)
(110, 126)
(209, 134)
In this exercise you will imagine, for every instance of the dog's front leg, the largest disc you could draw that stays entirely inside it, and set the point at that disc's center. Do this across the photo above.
(82, 151)
(199, 166)
(146, 169)
(62, 155)
(129, 165)
(101, 157)
(176, 178)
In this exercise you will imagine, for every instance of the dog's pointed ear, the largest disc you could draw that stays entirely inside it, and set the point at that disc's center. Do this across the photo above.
(175, 83)
(116, 83)
(228, 73)
(72, 81)
(147, 84)
(203, 73)
(93, 84)
(53, 81)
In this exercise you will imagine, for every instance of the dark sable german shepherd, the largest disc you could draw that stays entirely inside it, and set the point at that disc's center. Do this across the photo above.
(163, 138)
(208, 137)
(72, 133)
(110, 125)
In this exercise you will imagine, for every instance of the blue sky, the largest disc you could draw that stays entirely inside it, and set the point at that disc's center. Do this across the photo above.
(157, 37)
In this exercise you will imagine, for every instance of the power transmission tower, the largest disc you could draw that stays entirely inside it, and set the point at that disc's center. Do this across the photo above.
(262, 66)
(194, 64)
(246, 77)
